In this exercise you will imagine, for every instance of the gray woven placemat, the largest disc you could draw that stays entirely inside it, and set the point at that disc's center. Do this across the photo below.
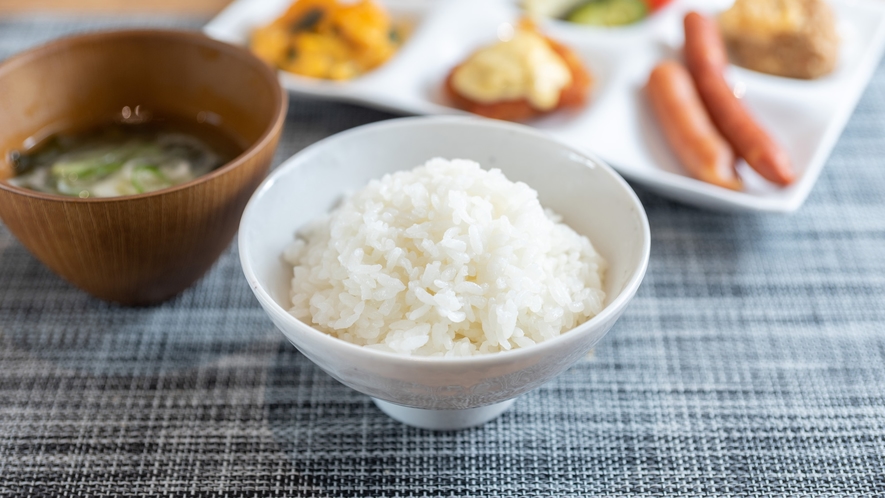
(751, 363)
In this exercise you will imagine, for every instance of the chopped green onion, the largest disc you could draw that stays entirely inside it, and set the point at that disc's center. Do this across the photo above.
(148, 178)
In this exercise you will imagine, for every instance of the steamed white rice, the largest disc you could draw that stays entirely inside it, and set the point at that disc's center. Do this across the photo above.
(447, 259)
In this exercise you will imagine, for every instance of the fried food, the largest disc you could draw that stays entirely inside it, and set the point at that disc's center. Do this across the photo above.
(792, 38)
(520, 78)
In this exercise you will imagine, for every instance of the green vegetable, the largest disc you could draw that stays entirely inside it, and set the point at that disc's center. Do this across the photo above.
(99, 162)
(609, 12)
(114, 160)
(85, 169)
(148, 178)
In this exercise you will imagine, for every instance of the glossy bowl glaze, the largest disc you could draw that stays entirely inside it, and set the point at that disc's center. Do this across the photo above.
(144, 248)
(443, 393)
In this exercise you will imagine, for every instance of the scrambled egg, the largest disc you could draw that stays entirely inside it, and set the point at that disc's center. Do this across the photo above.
(332, 39)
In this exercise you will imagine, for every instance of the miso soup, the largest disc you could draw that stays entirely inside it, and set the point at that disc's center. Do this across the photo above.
(124, 158)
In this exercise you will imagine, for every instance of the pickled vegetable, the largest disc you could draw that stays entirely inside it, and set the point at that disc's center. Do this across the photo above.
(595, 12)
(609, 12)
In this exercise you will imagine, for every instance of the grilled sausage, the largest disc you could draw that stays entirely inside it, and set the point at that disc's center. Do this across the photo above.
(688, 128)
(705, 53)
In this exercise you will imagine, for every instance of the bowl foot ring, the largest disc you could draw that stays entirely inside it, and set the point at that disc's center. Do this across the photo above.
(443, 420)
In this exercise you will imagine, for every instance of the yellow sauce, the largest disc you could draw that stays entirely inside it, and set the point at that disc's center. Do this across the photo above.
(523, 67)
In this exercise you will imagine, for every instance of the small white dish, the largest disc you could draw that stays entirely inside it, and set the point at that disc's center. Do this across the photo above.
(443, 393)
(807, 117)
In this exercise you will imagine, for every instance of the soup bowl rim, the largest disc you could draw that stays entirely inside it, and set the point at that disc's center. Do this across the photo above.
(240, 54)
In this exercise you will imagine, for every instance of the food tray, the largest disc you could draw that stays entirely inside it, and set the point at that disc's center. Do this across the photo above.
(806, 117)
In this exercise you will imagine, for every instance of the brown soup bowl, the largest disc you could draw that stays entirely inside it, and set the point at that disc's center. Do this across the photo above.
(145, 248)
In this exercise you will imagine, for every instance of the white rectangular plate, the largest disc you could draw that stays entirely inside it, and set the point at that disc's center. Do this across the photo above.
(806, 117)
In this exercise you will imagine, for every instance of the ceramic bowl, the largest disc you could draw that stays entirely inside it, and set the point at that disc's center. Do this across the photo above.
(444, 393)
(144, 248)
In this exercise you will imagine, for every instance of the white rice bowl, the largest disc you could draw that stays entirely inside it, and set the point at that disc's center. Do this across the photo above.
(447, 259)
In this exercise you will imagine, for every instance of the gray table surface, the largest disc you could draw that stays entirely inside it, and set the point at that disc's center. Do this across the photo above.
(751, 362)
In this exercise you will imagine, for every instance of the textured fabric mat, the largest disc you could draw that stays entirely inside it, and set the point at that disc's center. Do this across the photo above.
(751, 363)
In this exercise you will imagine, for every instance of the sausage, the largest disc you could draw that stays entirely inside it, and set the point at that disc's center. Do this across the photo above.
(704, 54)
(706, 47)
(688, 128)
